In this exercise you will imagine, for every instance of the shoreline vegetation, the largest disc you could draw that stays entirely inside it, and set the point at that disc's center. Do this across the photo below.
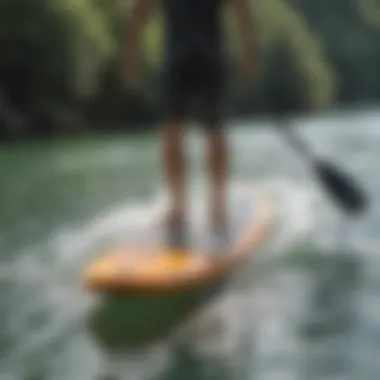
(61, 64)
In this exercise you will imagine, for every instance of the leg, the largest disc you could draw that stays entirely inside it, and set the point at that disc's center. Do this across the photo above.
(175, 96)
(174, 166)
(217, 159)
(212, 95)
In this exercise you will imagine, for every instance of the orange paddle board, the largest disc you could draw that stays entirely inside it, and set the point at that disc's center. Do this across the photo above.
(153, 268)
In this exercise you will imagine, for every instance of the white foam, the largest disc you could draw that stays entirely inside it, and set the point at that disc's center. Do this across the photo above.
(72, 246)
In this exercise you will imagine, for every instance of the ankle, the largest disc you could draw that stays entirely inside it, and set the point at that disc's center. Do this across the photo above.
(218, 218)
(176, 214)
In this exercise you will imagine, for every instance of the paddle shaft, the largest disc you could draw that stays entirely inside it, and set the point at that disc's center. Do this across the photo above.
(341, 187)
(295, 141)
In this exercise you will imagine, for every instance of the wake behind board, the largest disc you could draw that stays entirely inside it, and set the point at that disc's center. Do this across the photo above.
(151, 267)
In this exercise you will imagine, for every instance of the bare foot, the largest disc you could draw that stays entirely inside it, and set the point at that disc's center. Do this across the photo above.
(218, 219)
(175, 229)
(220, 231)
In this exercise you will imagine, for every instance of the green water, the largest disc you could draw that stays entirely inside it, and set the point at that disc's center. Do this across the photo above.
(308, 308)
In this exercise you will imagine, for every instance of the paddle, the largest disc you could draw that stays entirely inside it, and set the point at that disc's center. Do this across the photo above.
(341, 187)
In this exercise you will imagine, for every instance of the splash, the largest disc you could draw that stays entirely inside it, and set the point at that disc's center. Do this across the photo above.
(57, 280)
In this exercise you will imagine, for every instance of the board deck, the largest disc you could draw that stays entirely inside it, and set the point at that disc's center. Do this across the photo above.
(151, 267)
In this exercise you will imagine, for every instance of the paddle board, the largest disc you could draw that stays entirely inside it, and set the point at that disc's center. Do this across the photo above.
(152, 268)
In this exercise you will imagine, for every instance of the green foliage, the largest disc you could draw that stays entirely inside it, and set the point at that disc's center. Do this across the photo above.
(303, 54)
(88, 40)
(64, 41)
(316, 53)
(370, 11)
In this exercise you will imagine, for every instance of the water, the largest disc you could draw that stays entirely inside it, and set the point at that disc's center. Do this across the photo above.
(308, 308)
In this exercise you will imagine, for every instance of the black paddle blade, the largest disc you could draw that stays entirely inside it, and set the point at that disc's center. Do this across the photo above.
(341, 188)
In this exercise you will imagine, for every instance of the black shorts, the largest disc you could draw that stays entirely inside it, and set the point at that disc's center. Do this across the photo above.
(194, 85)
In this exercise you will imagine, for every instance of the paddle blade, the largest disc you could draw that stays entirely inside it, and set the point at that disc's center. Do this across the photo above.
(341, 188)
